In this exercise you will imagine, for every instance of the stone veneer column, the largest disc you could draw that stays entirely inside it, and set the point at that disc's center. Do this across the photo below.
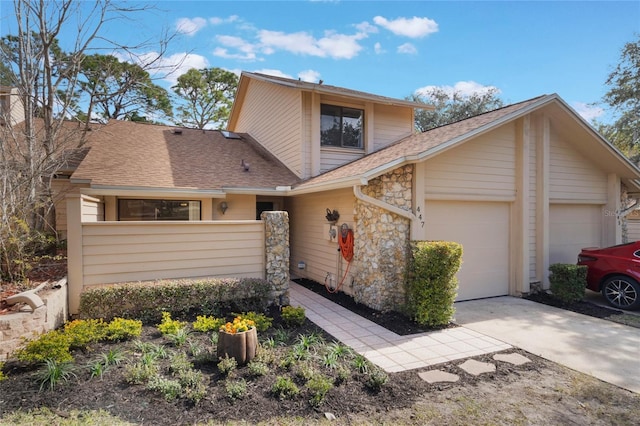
(276, 239)
(381, 251)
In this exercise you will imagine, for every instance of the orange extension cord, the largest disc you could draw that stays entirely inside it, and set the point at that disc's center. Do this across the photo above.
(346, 248)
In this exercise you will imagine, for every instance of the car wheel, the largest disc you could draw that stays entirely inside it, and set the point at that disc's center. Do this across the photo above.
(622, 292)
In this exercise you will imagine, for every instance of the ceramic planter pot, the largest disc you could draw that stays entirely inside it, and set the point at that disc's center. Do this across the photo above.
(241, 346)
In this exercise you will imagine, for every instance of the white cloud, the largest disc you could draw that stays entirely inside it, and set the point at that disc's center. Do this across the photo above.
(365, 27)
(173, 66)
(464, 88)
(378, 48)
(247, 50)
(309, 75)
(408, 49)
(409, 27)
(587, 111)
(334, 45)
(275, 73)
(218, 21)
(190, 26)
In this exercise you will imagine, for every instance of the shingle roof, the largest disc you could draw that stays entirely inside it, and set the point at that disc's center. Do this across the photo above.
(128, 154)
(336, 90)
(417, 145)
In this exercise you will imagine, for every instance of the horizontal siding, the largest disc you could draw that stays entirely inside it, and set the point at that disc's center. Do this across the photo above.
(391, 124)
(330, 158)
(484, 166)
(573, 177)
(272, 115)
(307, 237)
(132, 251)
(92, 211)
(633, 230)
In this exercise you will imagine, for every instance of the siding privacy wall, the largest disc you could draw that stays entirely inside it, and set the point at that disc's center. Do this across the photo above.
(307, 238)
(136, 251)
(272, 115)
(572, 177)
(480, 169)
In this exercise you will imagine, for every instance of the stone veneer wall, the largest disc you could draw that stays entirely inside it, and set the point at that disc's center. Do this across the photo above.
(381, 248)
(28, 324)
(276, 236)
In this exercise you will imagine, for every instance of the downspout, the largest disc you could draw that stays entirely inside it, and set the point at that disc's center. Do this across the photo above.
(385, 206)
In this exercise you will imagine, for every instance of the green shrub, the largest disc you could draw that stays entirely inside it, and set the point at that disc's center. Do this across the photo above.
(193, 385)
(293, 316)
(432, 284)
(81, 333)
(376, 379)
(227, 365)
(123, 329)
(169, 388)
(284, 388)
(205, 323)
(318, 387)
(236, 389)
(170, 326)
(2, 375)
(146, 301)
(261, 321)
(140, 372)
(568, 282)
(52, 345)
(258, 368)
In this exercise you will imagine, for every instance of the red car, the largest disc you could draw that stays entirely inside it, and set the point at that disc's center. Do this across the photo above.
(614, 271)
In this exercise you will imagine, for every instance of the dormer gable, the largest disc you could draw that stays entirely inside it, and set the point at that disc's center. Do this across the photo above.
(315, 127)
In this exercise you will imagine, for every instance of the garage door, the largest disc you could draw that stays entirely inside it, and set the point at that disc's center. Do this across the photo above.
(571, 228)
(483, 231)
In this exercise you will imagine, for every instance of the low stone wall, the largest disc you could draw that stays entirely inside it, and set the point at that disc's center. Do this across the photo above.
(27, 324)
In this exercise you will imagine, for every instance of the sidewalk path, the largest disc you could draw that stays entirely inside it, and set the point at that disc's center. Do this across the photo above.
(386, 349)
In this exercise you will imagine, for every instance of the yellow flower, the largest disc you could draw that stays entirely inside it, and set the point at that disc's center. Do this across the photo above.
(238, 325)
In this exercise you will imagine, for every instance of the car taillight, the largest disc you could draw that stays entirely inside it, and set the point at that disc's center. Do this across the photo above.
(584, 258)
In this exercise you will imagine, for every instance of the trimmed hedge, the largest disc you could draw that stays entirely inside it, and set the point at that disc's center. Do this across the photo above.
(147, 300)
(568, 282)
(432, 285)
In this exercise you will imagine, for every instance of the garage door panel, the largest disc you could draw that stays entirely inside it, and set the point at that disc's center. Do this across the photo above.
(573, 227)
(483, 230)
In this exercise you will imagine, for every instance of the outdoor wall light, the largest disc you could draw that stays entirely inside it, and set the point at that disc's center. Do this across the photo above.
(223, 206)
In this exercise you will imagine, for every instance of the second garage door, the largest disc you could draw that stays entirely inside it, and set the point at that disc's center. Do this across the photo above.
(571, 228)
(483, 230)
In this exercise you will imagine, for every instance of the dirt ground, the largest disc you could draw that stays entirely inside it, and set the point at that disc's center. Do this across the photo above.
(539, 392)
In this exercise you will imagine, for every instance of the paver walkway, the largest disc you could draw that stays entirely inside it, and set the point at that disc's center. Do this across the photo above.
(385, 348)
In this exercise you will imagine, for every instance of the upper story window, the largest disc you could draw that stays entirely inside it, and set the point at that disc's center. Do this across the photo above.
(158, 210)
(341, 126)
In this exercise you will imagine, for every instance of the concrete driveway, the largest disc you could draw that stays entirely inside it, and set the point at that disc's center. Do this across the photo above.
(603, 349)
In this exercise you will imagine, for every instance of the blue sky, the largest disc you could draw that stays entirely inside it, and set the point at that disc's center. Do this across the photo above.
(395, 48)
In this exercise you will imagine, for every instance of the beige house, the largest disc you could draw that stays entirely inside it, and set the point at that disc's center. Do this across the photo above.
(520, 188)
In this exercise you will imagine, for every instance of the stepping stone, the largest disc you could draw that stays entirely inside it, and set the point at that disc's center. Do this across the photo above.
(435, 376)
(476, 368)
(515, 359)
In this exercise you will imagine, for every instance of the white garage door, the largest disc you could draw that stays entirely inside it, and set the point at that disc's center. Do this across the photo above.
(573, 227)
(483, 230)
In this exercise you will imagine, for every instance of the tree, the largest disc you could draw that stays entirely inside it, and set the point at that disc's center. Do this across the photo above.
(624, 97)
(121, 90)
(45, 79)
(450, 108)
(208, 95)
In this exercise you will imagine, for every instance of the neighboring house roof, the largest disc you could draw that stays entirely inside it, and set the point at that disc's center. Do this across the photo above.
(319, 87)
(432, 142)
(129, 155)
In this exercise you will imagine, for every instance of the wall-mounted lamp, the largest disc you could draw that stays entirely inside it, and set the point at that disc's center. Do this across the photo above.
(223, 206)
